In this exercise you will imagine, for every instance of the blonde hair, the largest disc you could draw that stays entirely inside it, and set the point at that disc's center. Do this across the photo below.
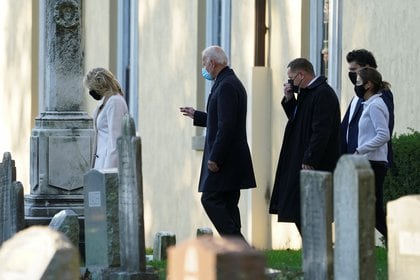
(102, 81)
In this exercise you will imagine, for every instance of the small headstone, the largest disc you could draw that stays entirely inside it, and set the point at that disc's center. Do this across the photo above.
(204, 231)
(215, 258)
(404, 238)
(39, 252)
(354, 215)
(101, 219)
(11, 200)
(163, 240)
(67, 222)
(316, 204)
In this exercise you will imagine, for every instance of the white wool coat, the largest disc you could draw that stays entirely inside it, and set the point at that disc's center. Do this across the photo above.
(108, 127)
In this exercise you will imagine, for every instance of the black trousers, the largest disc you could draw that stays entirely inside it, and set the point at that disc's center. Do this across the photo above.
(222, 209)
(380, 168)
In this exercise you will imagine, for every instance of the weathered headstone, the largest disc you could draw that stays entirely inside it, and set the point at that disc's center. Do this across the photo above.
(316, 205)
(204, 231)
(39, 252)
(66, 222)
(62, 140)
(131, 216)
(208, 258)
(354, 215)
(101, 220)
(11, 200)
(163, 240)
(404, 238)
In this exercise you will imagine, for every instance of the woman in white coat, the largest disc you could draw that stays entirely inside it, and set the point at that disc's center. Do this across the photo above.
(108, 116)
(374, 134)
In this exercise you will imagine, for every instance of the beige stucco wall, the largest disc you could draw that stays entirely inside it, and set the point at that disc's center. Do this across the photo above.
(285, 38)
(389, 29)
(16, 111)
(97, 40)
(167, 80)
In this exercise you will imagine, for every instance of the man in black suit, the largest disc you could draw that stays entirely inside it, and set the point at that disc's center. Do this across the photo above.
(227, 166)
(357, 59)
(311, 139)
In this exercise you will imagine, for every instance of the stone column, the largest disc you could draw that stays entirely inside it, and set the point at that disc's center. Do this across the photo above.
(62, 140)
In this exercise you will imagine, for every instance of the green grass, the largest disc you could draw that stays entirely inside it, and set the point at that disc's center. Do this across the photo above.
(289, 262)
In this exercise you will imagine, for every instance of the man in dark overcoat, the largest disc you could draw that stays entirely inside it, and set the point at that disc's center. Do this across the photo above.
(226, 166)
(311, 138)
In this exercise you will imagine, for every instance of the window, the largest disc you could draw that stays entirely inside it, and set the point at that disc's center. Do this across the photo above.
(218, 23)
(127, 53)
(325, 38)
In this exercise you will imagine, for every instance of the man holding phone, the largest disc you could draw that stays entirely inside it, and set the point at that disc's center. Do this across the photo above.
(311, 138)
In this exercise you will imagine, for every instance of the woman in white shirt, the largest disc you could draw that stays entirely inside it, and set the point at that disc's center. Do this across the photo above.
(108, 116)
(374, 134)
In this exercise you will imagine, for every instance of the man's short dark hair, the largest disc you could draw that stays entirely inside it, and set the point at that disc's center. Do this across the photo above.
(362, 57)
(301, 64)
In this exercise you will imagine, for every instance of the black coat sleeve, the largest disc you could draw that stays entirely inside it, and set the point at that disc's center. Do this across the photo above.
(324, 118)
(200, 118)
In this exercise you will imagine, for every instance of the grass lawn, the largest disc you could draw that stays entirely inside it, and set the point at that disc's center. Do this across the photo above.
(290, 264)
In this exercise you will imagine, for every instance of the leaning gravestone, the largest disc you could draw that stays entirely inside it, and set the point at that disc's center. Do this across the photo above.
(130, 205)
(404, 238)
(11, 200)
(39, 253)
(67, 222)
(208, 258)
(101, 220)
(354, 214)
(316, 205)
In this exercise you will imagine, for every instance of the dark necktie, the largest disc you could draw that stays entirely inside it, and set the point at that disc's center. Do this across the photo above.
(353, 131)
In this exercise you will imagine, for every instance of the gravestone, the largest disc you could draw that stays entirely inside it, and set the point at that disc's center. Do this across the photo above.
(11, 200)
(39, 252)
(354, 214)
(62, 139)
(204, 231)
(316, 206)
(101, 220)
(131, 215)
(208, 258)
(404, 238)
(163, 240)
(66, 222)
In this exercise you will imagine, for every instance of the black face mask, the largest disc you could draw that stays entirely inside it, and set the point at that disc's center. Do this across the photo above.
(295, 88)
(353, 77)
(360, 91)
(95, 95)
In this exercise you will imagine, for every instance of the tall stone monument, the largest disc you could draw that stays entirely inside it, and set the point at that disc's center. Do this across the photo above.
(62, 140)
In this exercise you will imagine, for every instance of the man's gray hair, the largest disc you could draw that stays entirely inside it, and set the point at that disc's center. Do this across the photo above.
(215, 53)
